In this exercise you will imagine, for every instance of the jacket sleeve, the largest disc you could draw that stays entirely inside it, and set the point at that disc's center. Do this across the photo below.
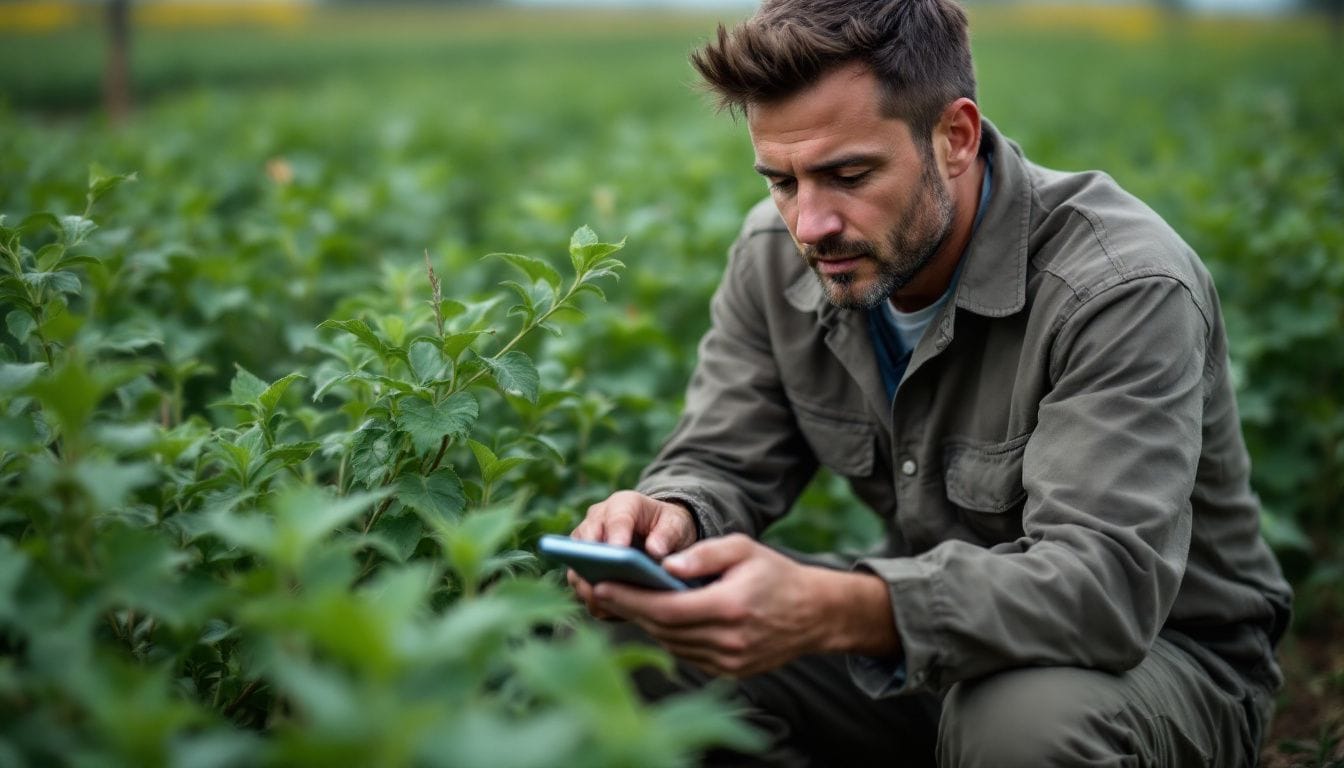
(1108, 472)
(736, 457)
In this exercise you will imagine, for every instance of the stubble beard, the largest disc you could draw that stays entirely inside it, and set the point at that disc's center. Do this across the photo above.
(911, 244)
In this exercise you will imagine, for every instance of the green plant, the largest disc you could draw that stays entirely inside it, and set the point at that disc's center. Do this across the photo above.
(348, 583)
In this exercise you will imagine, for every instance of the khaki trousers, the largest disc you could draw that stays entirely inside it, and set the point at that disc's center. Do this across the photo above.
(1170, 710)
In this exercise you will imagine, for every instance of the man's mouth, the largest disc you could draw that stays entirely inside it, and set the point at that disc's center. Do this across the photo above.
(837, 266)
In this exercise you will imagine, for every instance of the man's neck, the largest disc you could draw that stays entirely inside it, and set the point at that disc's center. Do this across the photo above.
(932, 281)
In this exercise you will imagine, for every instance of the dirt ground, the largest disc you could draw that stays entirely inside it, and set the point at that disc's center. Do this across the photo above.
(1308, 727)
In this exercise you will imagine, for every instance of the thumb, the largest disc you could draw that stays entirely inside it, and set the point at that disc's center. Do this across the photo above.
(710, 557)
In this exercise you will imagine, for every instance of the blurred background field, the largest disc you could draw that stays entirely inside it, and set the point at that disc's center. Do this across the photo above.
(296, 161)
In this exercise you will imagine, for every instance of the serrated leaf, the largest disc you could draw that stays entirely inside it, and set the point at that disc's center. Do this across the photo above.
(75, 229)
(515, 374)
(402, 534)
(591, 288)
(291, 453)
(60, 282)
(362, 333)
(427, 423)
(372, 452)
(485, 458)
(436, 497)
(246, 388)
(582, 238)
(548, 445)
(427, 361)
(270, 398)
(536, 269)
(454, 343)
(501, 466)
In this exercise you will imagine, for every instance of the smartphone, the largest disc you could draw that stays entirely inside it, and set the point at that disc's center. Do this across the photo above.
(605, 562)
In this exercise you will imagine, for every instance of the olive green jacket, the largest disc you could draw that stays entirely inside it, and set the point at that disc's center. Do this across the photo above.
(1062, 473)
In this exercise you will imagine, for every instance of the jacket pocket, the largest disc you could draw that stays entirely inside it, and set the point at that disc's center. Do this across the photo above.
(984, 482)
(844, 446)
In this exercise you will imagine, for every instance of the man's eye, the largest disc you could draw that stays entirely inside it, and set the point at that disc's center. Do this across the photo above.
(781, 185)
(851, 180)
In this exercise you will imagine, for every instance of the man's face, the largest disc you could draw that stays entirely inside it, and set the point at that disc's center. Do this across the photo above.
(865, 203)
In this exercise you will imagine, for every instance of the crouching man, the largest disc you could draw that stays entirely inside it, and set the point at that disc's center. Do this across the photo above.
(1023, 372)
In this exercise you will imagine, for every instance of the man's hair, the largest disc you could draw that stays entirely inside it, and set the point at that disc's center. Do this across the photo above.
(919, 51)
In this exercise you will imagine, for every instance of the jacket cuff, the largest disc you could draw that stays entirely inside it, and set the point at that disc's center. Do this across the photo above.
(914, 589)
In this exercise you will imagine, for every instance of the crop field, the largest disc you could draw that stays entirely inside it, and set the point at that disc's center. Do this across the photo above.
(298, 362)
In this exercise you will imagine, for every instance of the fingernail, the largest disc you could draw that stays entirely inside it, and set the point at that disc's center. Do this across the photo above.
(675, 561)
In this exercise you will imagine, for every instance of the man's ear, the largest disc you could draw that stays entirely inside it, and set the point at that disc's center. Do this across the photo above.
(957, 136)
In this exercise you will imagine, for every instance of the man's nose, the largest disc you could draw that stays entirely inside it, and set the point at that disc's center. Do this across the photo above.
(817, 219)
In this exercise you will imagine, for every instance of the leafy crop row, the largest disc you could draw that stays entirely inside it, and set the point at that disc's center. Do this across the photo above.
(350, 578)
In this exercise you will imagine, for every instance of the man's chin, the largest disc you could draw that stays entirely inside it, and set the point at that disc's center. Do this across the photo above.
(848, 292)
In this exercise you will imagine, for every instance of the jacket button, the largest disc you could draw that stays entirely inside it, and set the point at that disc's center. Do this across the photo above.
(909, 468)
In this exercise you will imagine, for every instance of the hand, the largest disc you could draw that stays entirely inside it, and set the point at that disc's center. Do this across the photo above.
(664, 527)
(764, 611)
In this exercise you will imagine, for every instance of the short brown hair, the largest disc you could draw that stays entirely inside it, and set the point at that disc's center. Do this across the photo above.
(919, 50)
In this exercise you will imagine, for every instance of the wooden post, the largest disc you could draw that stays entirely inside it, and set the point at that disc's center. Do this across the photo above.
(117, 68)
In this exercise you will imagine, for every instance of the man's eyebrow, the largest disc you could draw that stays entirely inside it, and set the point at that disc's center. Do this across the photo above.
(858, 158)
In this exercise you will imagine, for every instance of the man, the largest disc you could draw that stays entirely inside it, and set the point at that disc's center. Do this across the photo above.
(1023, 372)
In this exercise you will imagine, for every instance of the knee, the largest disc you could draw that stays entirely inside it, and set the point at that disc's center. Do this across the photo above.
(1049, 716)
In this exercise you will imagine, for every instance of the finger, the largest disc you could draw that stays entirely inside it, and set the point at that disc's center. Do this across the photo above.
(584, 591)
(674, 529)
(710, 557)
(664, 609)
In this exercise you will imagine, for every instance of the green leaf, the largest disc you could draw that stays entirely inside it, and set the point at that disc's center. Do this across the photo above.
(60, 282)
(482, 738)
(310, 514)
(427, 423)
(438, 496)
(292, 453)
(585, 250)
(485, 458)
(361, 331)
(16, 376)
(246, 389)
(75, 229)
(70, 392)
(515, 374)
(502, 466)
(397, 536)
(372, 453)
(454, 343)
(470, 543)
(427, 361)
(101, 182)
(20, 324)
(13, 563)
(39, 220)
(49, 256)
(270, 398)
(535, 269)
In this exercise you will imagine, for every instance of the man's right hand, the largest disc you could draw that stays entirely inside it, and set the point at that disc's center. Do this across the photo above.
(664, 527)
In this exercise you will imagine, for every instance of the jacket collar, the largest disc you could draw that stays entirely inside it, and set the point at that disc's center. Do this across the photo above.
(994, 265)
